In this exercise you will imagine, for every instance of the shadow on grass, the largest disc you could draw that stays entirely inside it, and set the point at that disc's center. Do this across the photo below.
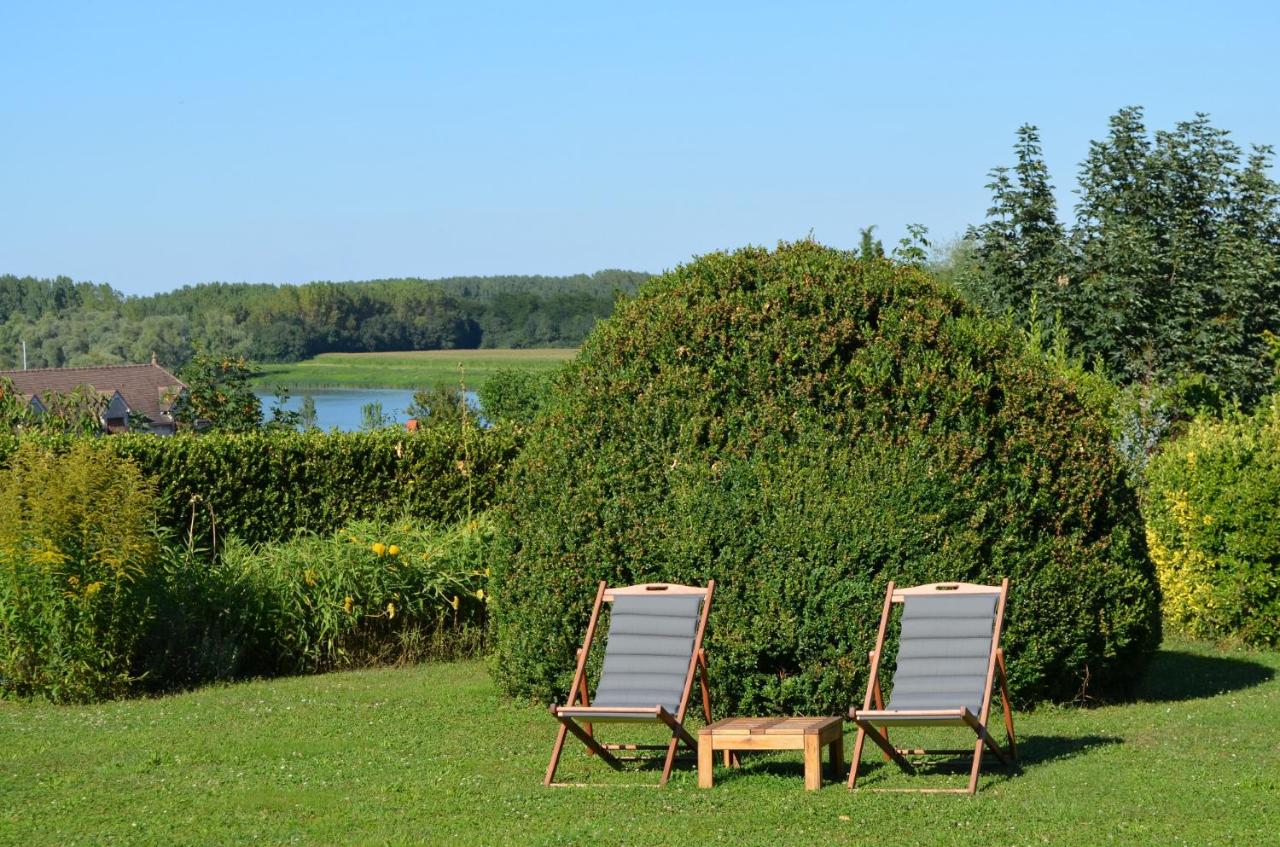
(1033, 751)
(1036, 750)
(1176, 675)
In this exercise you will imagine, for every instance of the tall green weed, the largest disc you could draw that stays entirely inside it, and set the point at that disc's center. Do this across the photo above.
(371, 593)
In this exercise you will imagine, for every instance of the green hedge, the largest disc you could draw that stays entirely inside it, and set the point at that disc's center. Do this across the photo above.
(1213, 525)
(804, 427)
(268, 486)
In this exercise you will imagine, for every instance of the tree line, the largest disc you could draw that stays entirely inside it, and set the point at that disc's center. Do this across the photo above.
(66, 323)
(1167, 279)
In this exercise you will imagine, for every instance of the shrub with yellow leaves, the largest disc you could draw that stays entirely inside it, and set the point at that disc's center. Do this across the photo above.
(1212, 503)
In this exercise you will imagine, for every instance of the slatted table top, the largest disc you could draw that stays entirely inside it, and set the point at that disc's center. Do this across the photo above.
(771, 726)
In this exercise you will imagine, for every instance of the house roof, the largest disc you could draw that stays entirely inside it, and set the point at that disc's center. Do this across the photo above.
(148, 389)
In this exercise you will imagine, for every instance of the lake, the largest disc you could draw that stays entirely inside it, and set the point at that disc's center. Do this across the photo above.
(342, 408)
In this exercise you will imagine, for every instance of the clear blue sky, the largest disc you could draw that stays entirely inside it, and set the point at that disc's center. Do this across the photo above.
(152, 146)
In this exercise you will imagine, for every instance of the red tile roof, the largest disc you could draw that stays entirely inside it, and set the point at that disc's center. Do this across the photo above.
(148, 389)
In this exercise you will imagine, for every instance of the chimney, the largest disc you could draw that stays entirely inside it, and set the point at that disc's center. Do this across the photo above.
(153, 358)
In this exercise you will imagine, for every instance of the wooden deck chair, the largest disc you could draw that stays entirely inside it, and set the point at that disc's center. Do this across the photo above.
(652, 652)
(948, 657)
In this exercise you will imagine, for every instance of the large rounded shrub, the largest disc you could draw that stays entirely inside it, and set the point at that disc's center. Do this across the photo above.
(1213, 523)
(804, 427)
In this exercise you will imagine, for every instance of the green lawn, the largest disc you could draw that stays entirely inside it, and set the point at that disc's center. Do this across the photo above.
(411, 369)
(433, 754)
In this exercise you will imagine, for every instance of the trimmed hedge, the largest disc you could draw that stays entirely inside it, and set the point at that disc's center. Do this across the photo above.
(803, 427)
(1213, 524)
(268, 486)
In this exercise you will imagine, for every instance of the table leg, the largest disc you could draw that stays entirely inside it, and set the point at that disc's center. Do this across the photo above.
(812, 762)
(836, 751)
(706, 761)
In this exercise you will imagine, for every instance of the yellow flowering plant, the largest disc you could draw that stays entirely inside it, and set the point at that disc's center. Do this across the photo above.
(73, 567)
(416, 585)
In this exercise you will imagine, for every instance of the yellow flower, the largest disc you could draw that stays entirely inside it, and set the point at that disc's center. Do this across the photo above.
(347, 604)
(92, 589)
(73, 581)
(393, 550)
(454, 602)
(486, 571)
(479, 593)
(378, 548)
(50, 557)
(309, 576)
(391, 610)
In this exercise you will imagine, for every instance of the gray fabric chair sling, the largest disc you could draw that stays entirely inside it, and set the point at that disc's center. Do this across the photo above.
(652, 652)
(948, 657)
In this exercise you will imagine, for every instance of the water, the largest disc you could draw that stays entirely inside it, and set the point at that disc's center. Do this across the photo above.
(342, 408)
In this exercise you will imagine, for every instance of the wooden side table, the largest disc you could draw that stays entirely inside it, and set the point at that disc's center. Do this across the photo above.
(807, 734)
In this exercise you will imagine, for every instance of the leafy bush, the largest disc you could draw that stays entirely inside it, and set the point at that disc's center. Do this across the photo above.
(515, 395)
(371, 593)
(268, 486)
(207, 622)
(804, 427)
(1213, 525)
(77, 534)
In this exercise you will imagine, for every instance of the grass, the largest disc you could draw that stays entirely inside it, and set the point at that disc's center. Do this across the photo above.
(410, 369)
(432, 754)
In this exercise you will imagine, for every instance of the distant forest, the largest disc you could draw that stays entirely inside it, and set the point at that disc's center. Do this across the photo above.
(68, 324)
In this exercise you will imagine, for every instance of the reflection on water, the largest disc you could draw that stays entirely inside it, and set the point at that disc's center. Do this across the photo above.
(343, 408)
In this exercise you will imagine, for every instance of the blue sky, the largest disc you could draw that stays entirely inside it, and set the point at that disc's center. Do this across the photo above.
(153, 146)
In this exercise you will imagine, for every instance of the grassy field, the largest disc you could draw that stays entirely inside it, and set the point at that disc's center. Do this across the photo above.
(434, 755)
(413, 369)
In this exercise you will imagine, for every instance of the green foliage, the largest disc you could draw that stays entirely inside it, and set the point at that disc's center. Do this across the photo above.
(441, 407)
(284, 418)
(804, 427)
(869, 247)
(120, 613)
(207, 621)
(77, 535)
(371, 593)
(1020, 247)
(913, 248)
(515, 395)
(1212, 505)
(219, 394)
(267, 486)
(372, 418)
(77, 411)
(1171, 271)
(307, 418)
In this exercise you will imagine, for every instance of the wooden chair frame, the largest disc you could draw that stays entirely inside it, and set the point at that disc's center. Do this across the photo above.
(575, 710)
(868, 719)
